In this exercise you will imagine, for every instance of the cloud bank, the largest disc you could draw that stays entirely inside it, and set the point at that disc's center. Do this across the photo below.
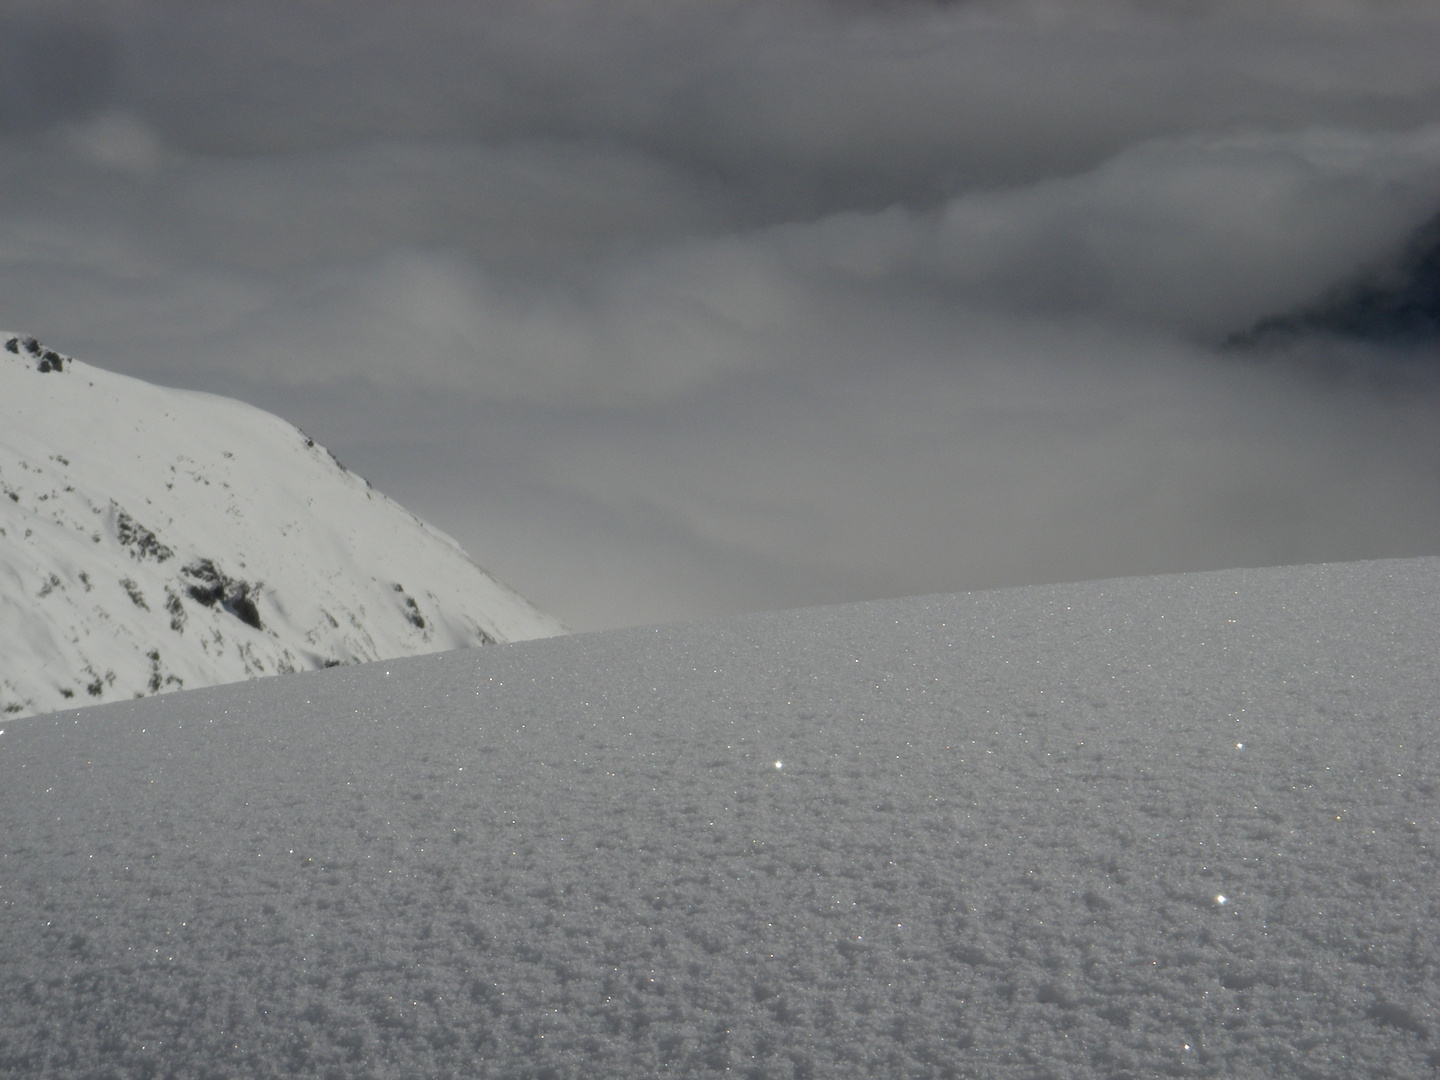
(688, 309)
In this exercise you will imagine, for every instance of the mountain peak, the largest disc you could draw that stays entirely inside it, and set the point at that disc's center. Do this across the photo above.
(46, 360)
(1397, 303)
(153, 539)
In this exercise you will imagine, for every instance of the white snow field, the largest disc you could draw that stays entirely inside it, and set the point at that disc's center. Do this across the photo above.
(1175, 826)
(153, 539)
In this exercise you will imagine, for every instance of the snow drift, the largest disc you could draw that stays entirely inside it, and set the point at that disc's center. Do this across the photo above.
(152, 539)
(1184, 826)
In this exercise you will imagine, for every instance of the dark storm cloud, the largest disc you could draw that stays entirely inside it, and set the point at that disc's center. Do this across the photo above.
(504, 273)
(55, 64)
(675, 308)
(1397, 303)
(816, 105)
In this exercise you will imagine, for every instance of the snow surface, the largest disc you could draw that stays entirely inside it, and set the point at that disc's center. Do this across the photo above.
(1177, 826)
(153, 539)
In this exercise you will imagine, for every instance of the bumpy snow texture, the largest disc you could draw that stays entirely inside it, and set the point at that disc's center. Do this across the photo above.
(1183, 826)
(154, 539)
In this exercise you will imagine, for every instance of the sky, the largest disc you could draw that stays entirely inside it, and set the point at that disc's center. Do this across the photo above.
(686, 309)
(1161, 827)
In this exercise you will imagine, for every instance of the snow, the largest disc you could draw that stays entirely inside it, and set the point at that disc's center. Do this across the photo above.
(1176, 826)
(153, 539)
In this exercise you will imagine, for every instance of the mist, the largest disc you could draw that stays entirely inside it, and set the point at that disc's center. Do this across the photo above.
(668, 311)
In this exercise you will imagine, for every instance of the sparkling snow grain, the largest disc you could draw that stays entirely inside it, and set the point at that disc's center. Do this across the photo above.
(1012, 837)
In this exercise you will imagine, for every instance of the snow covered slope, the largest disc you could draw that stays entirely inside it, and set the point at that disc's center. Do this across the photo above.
(1171, 827)
(152, 539)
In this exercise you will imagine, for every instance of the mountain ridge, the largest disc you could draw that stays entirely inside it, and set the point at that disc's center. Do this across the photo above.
(153, 539)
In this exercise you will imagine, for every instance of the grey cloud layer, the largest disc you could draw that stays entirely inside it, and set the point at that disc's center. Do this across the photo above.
(908, 96)
(354, 256)
(765, 303)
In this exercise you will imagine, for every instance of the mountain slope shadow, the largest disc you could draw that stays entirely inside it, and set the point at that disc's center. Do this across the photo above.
(1397, 304)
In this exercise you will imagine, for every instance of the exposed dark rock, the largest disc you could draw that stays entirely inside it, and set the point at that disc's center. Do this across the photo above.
(47, 359)
(176, 610)
(141, 541)
(214, 587)
(158, 679)
(211, 588)
(244, 609)
(311, 444)
(1395, 305)
(132, 590)
(411, 610)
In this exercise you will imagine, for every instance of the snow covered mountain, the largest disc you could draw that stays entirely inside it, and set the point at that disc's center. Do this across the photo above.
(153, 539)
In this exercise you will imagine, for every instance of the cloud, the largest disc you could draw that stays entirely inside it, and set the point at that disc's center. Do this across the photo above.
(810, 105)
(369, 263)
(1394, 304)
(1027, 456)
(57, 62)
(730, 304)
(1197, 234)
(116, 140)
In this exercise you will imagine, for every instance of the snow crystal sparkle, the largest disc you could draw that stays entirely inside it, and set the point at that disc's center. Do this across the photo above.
(662, 892)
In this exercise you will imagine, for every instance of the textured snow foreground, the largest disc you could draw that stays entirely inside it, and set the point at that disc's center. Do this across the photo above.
(1179, 826)
(153, 539)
